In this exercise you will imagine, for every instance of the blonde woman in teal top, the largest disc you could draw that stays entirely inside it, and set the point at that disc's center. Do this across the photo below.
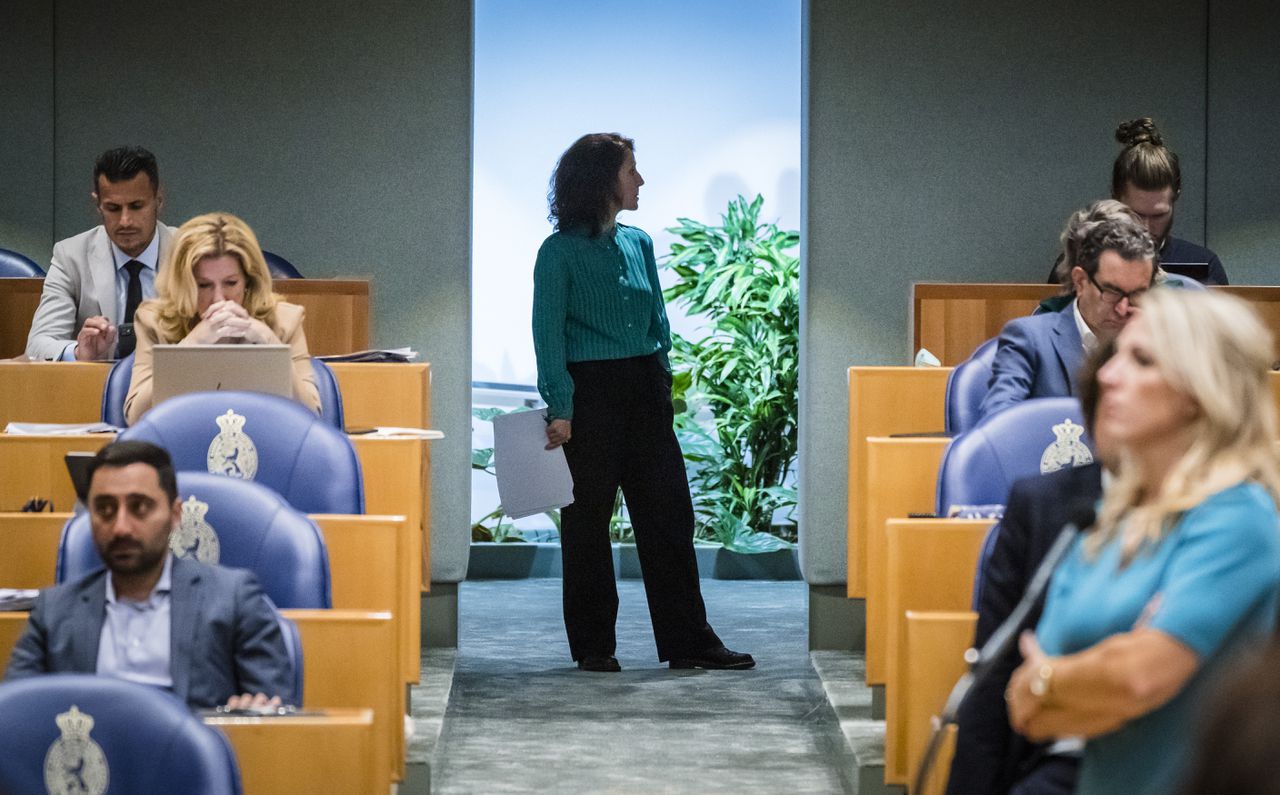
(601, 337)
(1182, 569)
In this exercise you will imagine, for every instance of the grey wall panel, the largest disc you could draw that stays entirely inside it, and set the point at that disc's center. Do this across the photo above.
(951, 146)
(341, 132)
(1244, 145)
(26, 122)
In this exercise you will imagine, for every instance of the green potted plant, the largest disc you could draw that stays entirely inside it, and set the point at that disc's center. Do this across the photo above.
(736, 387)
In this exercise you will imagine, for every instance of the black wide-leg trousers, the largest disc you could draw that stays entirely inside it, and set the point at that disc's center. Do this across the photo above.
(622, 436)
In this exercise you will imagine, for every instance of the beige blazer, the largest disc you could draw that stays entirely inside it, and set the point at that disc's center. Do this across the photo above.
(288, 327)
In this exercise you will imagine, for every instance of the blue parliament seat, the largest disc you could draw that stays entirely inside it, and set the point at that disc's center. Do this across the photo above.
(280, 267)
(116, 389)
(967, 386)
(84, 733)
(15, 265)
(264, 438)
(1036, 436)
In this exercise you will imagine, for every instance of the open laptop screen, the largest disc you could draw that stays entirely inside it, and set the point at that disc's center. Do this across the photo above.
(179, 369)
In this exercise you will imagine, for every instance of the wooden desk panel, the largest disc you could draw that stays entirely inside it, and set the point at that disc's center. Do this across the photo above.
(330, 752)
(337, 318)
(12, 626)
(904, 476)
(29, 548)
(350, 661)
(953, 319)
(396, 395)
(51, 391)
(362, 551)
(931, 566)
(937, 641)
(32, 466)
(18, 301)
(884, 401)
(396, 482)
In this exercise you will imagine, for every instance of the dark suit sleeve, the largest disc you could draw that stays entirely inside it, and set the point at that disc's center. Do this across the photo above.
(983, 745)
(1217, 274)
(262, 664)
(1012, 371)
(31, 654)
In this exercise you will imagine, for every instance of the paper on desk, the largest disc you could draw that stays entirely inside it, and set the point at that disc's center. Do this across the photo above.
(531, 479)
(57, 428)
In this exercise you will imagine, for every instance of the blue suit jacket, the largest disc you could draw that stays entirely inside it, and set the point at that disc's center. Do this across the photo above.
(1037, 356)
(224, 637)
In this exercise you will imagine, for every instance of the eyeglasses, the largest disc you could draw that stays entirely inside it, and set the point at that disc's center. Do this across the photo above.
(1112, 295)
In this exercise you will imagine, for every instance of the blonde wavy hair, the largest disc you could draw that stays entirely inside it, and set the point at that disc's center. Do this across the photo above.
(1213, 348)
(210, 235)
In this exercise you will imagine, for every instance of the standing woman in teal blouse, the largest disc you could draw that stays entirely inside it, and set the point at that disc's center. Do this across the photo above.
(601, 337)
(1182, 569)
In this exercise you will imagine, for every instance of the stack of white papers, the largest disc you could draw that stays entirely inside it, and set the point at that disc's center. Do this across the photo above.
(57, 428)
(13, 599)
(531, 479)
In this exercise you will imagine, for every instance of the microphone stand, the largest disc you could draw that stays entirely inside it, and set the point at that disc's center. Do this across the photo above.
(982, 662)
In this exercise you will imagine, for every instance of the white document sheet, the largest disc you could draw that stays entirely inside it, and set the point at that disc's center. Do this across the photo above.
(530, 479)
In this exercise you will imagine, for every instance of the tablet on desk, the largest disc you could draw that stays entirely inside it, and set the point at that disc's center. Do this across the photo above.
(1192, 270)
(179, 369)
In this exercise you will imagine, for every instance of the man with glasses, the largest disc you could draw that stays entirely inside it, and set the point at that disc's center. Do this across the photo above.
(1113, 263)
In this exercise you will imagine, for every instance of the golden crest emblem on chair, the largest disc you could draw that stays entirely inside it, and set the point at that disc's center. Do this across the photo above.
(75, 764)
(1066, 450)
(195, 538)
(232, 452)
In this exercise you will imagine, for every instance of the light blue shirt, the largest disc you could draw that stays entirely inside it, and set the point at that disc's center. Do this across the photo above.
(150, 259)
(134, 644)
(1216, 575)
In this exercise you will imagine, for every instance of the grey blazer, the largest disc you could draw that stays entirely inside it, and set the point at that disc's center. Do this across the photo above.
(224, 640)
(81, 283)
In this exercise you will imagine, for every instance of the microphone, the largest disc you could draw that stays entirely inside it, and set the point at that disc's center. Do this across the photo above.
(983, 661)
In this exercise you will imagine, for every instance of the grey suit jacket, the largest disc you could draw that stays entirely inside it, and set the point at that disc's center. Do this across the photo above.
(224, 637)
(81, 283)
(1038, 356)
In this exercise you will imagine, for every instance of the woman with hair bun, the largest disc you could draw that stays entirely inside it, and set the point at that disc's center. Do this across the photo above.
(601, 338)
(215, 287)
(1181, 572)
(1146, 176)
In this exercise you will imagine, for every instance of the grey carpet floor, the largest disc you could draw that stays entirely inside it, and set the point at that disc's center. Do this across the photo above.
(522, 718)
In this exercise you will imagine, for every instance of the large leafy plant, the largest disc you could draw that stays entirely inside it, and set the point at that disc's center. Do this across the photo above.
(744, 279)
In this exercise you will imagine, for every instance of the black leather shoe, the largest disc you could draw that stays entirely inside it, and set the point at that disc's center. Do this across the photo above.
(719, 659)
(599, 664)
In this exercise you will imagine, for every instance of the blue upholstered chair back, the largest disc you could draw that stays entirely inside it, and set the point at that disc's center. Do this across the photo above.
(280, 267)
(330, 395)
(1035, 436)
(264, 438)
(1184, 282)
(116, 390)
(84, 728)
(967, 386)
(234, 523)
(15, 265)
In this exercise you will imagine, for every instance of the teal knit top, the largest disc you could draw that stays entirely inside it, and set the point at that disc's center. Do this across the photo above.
(594, 298)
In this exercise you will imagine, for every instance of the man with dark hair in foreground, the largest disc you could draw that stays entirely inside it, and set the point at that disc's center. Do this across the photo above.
(205, 633)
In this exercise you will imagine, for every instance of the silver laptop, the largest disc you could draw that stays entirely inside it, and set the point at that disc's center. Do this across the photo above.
(179, 369)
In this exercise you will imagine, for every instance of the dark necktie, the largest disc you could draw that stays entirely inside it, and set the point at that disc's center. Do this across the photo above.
(132, 298)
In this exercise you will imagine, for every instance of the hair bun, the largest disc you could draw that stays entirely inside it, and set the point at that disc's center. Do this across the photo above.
(1139, 131)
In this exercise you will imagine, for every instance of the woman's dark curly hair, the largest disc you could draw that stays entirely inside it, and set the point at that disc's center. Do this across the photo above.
(585, 181)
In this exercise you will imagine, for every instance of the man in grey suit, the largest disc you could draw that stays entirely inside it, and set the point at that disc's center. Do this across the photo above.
(97, 278)
(1113, 264)
(205, 633)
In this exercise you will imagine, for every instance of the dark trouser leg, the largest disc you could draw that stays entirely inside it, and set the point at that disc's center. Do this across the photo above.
(593, 454)
(657, 492)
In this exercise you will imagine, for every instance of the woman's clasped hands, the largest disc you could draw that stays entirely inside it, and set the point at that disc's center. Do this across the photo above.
(228, 321)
